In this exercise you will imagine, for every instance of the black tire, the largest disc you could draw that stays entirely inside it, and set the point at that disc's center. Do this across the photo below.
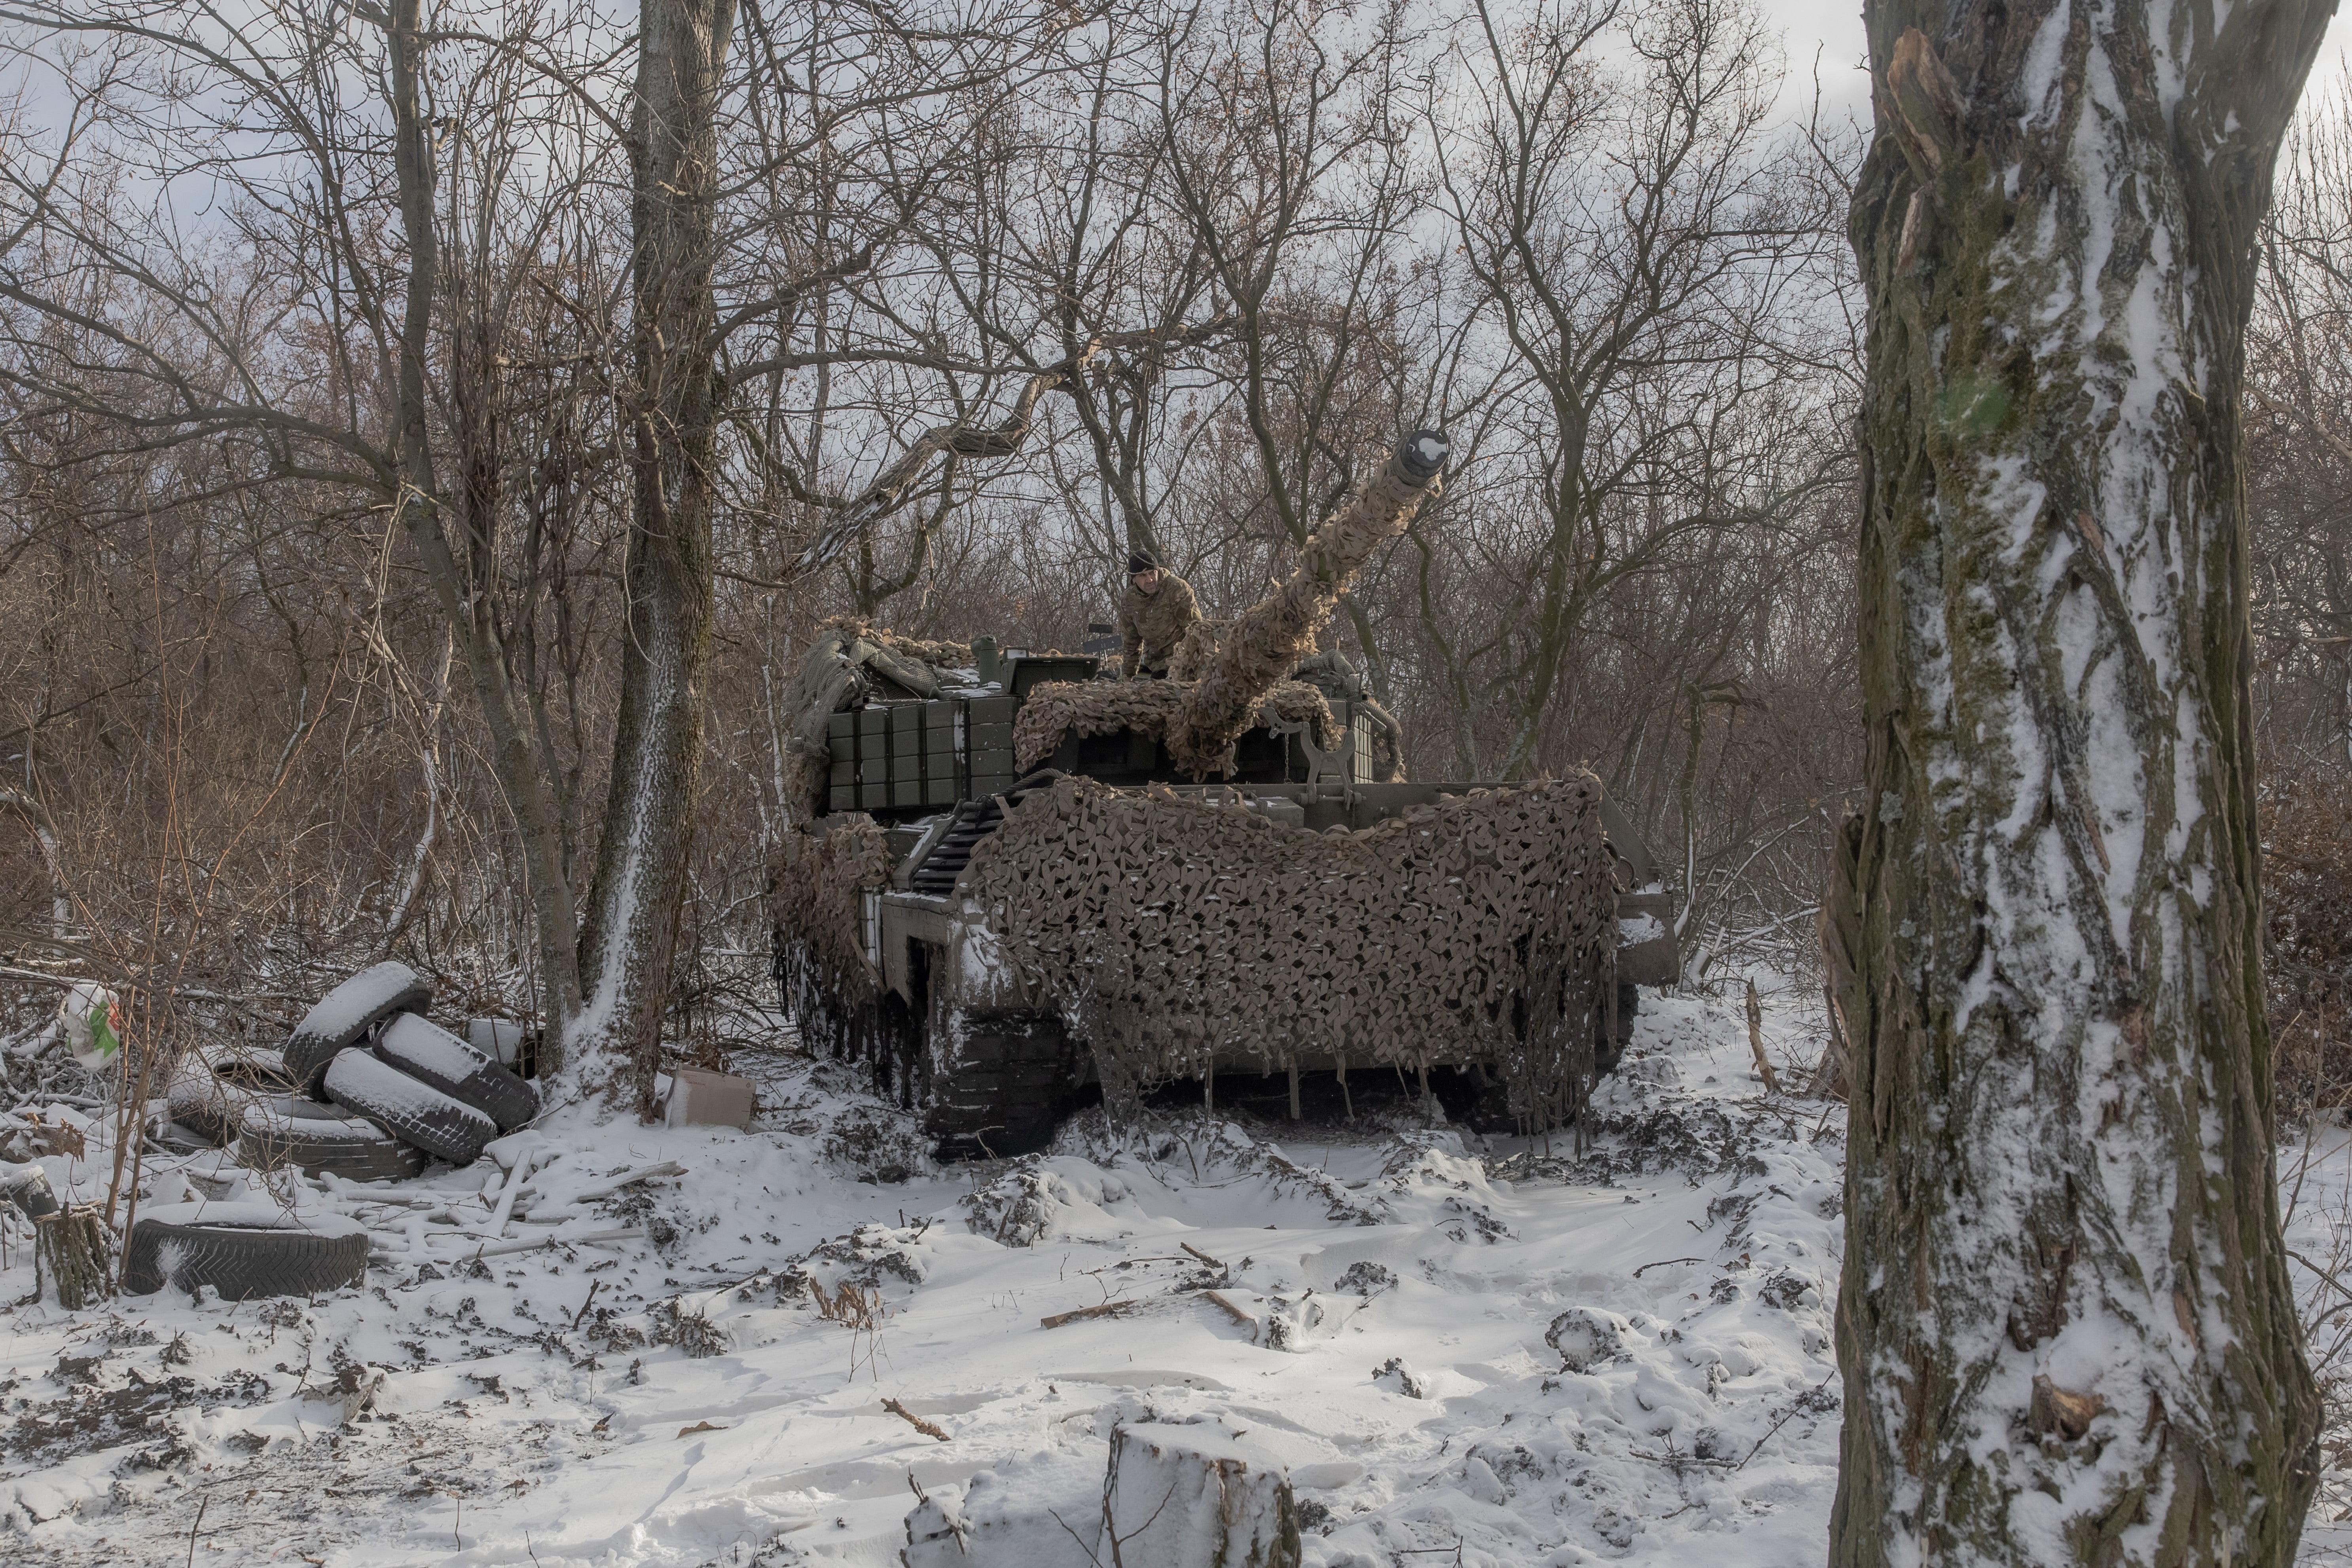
(412, 1111)
(240, 1263)
(1000, 1087)
(346, 1014)
(314, 1138)
(432, 1054)
(210, 1093)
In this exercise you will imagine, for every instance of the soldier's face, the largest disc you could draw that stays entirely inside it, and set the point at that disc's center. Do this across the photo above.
(1146, 582)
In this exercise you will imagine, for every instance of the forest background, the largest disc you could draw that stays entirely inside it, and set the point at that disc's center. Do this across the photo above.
(1000, 291)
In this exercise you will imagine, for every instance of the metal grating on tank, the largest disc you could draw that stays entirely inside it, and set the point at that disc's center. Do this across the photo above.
(974, 820)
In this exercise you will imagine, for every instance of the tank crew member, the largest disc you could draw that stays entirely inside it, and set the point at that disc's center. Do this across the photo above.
(1156, 611)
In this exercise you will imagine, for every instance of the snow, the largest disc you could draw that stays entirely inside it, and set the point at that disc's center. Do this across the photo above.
(250, 1214)
(342, 1011)
(357, 1077)
(413, 1041)
(1499, 1353)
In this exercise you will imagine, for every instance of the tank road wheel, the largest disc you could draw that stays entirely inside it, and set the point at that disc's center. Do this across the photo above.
(999, 1083)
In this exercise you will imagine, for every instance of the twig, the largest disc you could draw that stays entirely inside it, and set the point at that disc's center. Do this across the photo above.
(1664, 1263)
(1202, 1256)
(1108, 1308)
(927, 1428)
(594, 1286)
(202, 1503)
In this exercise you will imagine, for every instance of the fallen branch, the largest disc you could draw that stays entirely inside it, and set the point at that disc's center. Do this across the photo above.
(1108, 1309)
(1664, 1263)
(1235, 1314)
(621, 1234)
(1202, 1256)
(606, 1189)
(911, 1420)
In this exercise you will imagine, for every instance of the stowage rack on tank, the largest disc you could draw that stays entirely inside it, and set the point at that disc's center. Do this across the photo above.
(1013, 883)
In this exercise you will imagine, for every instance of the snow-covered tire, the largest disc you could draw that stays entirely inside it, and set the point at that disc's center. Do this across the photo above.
(412, 1111)
(432, 1054)
(240, 1263)
(213, 1088)
(346, 1012)
(314, 1138)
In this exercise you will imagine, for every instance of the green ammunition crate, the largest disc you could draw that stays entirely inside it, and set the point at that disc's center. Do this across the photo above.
(992, 710)
(992, 783)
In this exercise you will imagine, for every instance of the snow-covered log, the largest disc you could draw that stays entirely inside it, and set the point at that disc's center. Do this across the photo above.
(2066, 1329)
(1196, 1496)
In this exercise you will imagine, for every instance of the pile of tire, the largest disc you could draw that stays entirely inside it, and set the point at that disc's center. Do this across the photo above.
(378, 1089)
(365, 1087)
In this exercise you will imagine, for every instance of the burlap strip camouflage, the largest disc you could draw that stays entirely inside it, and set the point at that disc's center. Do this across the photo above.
(1170, 930)
(1106, 706)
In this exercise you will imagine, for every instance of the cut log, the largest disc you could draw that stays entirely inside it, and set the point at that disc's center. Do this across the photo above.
(1196, 1496)
(70, 1254)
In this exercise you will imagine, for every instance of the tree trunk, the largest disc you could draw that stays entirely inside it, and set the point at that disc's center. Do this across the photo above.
(631, 931)
(465, 602)
(2066, 1330)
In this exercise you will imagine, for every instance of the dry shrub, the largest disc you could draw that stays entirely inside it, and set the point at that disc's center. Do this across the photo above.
(2307, 910)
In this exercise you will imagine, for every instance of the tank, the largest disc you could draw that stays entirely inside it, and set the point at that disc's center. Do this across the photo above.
(1013, 882)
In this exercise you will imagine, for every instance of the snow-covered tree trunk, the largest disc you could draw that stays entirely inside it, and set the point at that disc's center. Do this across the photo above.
(2066, 1330)
(631, 931)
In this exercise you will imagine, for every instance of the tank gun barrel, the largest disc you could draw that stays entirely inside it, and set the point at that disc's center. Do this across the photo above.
(1266, 640)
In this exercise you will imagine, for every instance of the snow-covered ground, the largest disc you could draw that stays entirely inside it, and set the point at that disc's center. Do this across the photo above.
(1481, 1355)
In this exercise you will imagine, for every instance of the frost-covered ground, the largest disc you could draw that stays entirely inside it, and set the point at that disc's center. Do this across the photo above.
(684, 1397)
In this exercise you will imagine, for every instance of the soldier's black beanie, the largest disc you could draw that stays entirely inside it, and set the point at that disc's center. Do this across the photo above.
(1141, 560)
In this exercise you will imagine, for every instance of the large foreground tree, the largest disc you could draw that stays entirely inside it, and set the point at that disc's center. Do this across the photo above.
(2066, 1329)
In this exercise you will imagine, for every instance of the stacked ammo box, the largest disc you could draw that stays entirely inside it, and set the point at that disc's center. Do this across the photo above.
(918, 757)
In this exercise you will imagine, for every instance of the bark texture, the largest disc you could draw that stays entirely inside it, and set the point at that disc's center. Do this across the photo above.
(631, 933)
(2065, 1328)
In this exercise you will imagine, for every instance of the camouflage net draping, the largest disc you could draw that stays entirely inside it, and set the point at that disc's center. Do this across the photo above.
(1265, 642)
(813, 899)
(1481, 927)
(1106, 707)
(850, 628)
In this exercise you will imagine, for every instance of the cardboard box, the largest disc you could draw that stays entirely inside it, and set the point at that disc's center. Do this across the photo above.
(700, 1098)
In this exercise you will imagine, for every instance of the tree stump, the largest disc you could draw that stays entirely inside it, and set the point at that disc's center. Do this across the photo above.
(1196, 1497)
(70, 1256)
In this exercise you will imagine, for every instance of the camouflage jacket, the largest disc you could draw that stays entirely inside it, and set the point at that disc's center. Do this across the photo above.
(1151, 624)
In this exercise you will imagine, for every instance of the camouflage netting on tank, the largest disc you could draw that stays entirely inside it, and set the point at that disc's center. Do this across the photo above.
(1266, 641)
(813, 900)
(851, 628)
(1171, 930)
(1059, 708)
